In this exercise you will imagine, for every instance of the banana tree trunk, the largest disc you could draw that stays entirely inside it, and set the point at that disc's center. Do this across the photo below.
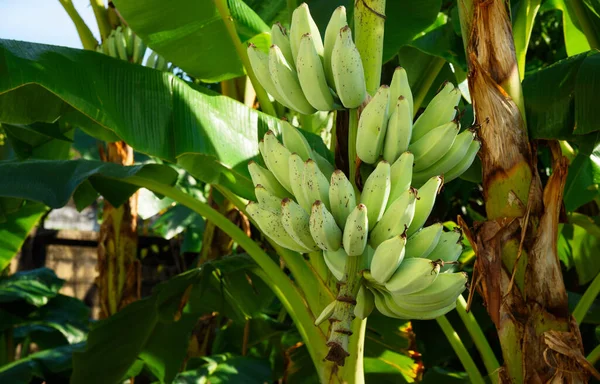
(517, 269)
(119, 271)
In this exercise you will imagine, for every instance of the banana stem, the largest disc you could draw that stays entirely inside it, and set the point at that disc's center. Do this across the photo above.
(587, 300)
(352, 132)
(583, 18)
(262, 95)
(487, 355)
(369, 22)
(522, 27)
(101, 18)
(269, 271)
(343, 314)
(85, 35)
(461, 351)
(594, 356)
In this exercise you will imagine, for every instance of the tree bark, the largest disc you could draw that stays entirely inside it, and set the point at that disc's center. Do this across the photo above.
(517, 269)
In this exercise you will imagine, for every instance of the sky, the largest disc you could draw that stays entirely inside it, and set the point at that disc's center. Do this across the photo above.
(43, 21)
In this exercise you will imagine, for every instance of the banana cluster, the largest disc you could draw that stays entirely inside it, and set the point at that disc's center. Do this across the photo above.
(123, 44)
(386, 131)
(307, 74)
(303, 204)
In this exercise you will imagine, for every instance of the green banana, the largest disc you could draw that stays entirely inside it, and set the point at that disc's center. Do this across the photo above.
(151, 62)
(422, 243)
(444, 290)
(129, 37)
(315, 183)
(365, 302)
(376, 191)
(161, 63)
(396, 218)
(295, 141)
(270, 224)
(356, 231)
(121, 44)
(400, 87)
(347, 70)
(277, 157)
(341, 197)
(139, 50)
(260, 65)
(434, 145)
(372, 126)
(312, 76)
(426, 196)
(336, 22)
(323, 228)
(296, 223)
(448, 249)
(336, 262)
(324, 165)
(388, 256)
(326, 313)
(280, 37)
(401, 175)
(399, 128)
(380, 303)
(266, 178)
(440, 110)
(465, 163)
(267, 200)
(403, 311)
(111, 45)
(286, 82)
(296, 170)
(413, 275)
(450, 160)
(303, 23)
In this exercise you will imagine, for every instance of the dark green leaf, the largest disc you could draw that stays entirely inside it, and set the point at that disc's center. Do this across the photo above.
(192, 35)
(583, 177)
(15, 230)
(176, 220)
(442, 41)
(579, 249)
(35, 287)
(575, 39)
(221, 369)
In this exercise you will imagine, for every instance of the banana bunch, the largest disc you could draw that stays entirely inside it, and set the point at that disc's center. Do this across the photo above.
(307, 74)
(123, 44)
(386, 130)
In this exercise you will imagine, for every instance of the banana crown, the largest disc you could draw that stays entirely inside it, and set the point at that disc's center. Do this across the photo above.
(300, 208)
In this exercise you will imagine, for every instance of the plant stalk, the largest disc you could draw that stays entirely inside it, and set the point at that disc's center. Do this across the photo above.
(86, 36)
(583, 18)
(262, 95)
(587, 300)
(352, 134)
(369, 22)
(594, 356)
(460, 350)
(101, 18)
(522, 27)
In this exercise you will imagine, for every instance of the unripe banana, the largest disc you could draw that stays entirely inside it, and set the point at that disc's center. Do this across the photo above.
(434, 145)
(129, 37)
(356, 231)
(121, 44)
(425, 200)
(139, 50)
(296, 223)
(260, 64)
(312, 76)
(266, 178)
(326, 313)
(450, 160)
(315, 183)
(380, 303)
(401, 175)
(267, 200)
(442, 292)
(277, 157)
(387, 257)
(286, 82)
(465, 163)
(365, 302)
(295, 141)
(303, 23)
(422, 243)
(341, 197)
(347, 69)
(399, 128)
(323, 228)
(397, 217)
(111, 45)
(448, 249)
(324, 165)
(400, 87)
(336, 22)
(376, 191)
(372, 126)
(336, 262)
(296, 170)
(151, 62)
(413, 275)
(280, 37)
(415, 312)
(441, 110)
(161, 63)
(270, 224)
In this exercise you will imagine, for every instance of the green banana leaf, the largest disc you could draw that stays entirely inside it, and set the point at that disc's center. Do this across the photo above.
(15, 229)
(192, 35)
(211, 136)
